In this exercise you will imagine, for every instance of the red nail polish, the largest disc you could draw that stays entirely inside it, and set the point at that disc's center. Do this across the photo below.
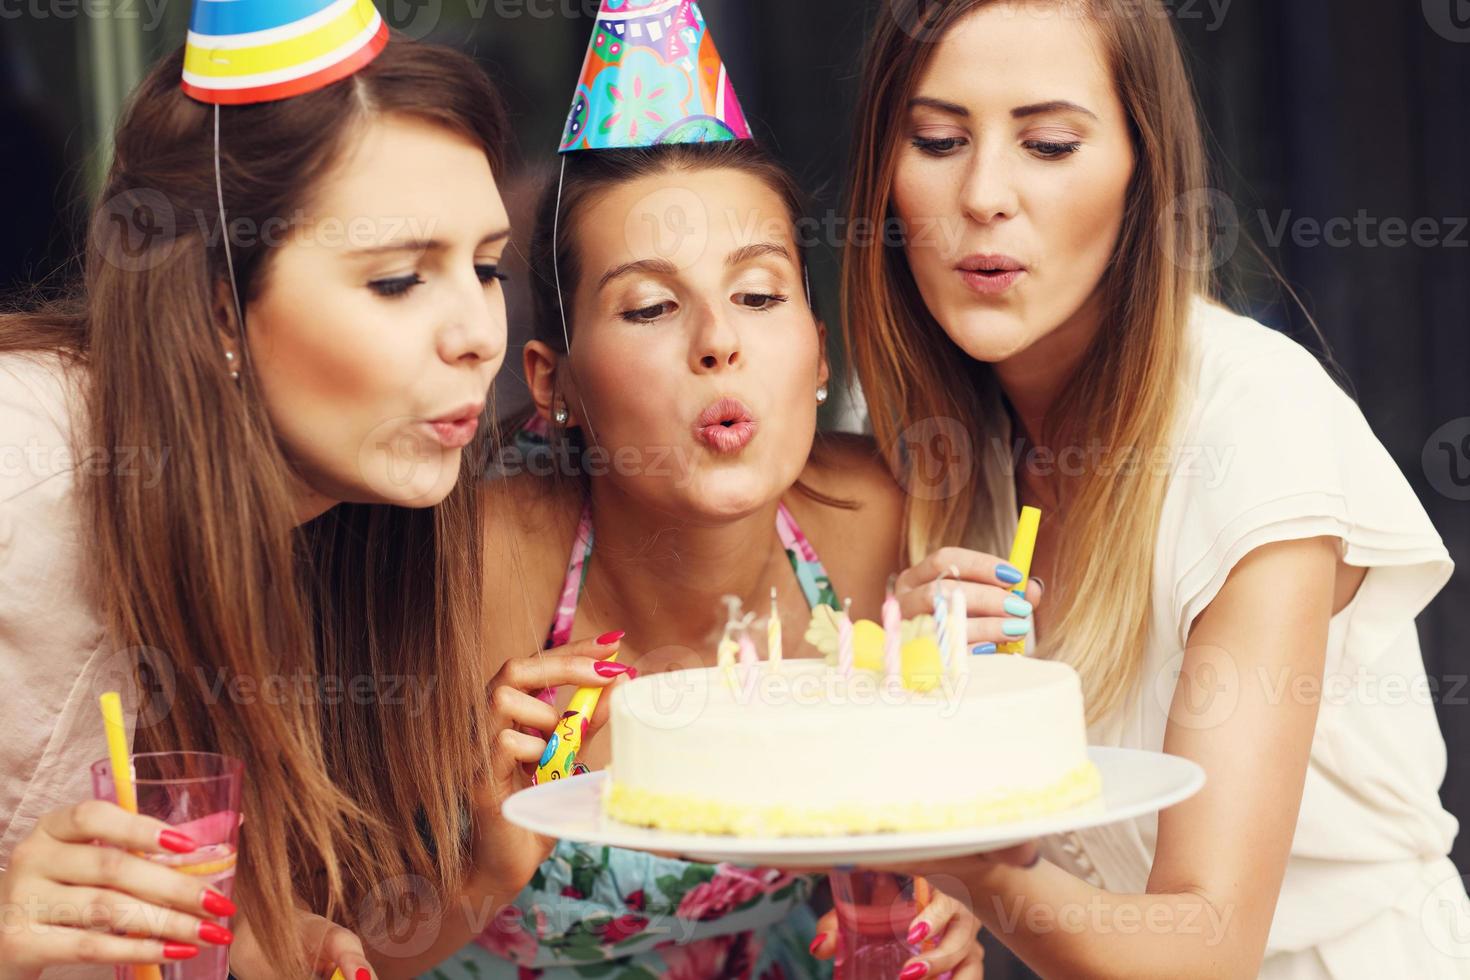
(179, 951)
(363, 974)
(917, 933)
(605, 669)
(632, 673)
(914, 970)
(176, 842)
(608, 639)
(821, 938)
(216, 904)
(215, 934)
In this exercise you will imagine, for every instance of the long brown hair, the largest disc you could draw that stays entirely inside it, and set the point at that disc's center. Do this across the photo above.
(209, 565)
(1126, 393)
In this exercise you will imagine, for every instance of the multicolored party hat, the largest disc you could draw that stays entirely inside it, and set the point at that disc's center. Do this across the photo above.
(245, 51)
(652, 76)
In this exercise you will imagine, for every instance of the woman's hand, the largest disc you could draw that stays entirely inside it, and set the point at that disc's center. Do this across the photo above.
(506, 856)
(945, 931)
(73, 894)
(995, 614)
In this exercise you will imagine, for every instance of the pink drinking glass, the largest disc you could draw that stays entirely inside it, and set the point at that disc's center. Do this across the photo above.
(198, 794)
(874, 912)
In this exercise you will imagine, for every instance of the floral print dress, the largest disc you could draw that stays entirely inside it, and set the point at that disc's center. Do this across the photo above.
(606, 912)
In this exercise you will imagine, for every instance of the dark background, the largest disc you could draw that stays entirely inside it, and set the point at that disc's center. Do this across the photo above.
(1317, 110)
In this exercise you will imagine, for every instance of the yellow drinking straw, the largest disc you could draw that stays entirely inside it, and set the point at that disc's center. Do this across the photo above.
(122, 781)
(566, 740)
(1021, 551)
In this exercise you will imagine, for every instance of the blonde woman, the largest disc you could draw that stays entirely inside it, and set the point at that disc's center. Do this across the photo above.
(1224, 538)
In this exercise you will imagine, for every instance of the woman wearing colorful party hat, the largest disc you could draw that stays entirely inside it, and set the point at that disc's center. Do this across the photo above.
(677, 369)
(1233, 561)
(244, 471)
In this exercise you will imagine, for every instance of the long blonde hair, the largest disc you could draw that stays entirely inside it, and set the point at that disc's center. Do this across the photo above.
(208, 566)
(1126, 393)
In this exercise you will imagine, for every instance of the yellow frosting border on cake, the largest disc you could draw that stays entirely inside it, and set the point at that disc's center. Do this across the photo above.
(681, 813)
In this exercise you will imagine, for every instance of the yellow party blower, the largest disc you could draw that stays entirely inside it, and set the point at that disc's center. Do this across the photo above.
(1022, 550)
(566, 741)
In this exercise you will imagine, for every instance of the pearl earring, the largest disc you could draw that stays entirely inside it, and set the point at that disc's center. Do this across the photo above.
(561, 415)
(230, 360)
(822, 395)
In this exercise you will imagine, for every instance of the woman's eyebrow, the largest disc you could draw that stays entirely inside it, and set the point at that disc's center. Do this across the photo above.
(654, 267)
(1055, 105)
(927, 102)
(426, 244)
(1020, 112)
(747, 252)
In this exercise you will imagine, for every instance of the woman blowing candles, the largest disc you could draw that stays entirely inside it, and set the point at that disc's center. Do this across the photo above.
(1052, 289)
(694, 365)
(315, 381)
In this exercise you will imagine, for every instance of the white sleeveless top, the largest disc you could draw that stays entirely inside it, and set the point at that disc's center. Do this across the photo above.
(1277, 451)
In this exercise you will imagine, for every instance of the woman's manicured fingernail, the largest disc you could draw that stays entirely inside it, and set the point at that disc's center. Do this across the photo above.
(608, 639)
(914, 970)
(363, 974)
(632, 673)
(1016, 627)
(981, 649)
(216, 904)
(1017, 606)
(176, 842)
(605, 669)
(215, 934)
(821, 938)
(1009, 574)
(917, 932)
(1040, 585)
(1035, 860)
(179, 951)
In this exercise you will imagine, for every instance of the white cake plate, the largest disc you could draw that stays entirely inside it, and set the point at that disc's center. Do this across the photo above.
(1135, 782)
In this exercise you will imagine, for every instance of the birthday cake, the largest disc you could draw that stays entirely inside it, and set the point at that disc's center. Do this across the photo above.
(850, 744)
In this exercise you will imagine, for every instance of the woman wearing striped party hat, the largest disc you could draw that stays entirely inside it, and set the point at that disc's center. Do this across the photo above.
(263, 434)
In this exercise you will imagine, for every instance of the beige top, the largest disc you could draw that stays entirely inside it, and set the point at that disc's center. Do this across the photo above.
(52, 657)
(1271, 450)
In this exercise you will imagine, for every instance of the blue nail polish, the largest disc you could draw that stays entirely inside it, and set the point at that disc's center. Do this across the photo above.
(1017, 606)
(1009, 574)
(981, 649)
(1016, 627)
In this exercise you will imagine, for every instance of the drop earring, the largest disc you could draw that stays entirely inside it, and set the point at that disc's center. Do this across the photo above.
(561, 415)
(230, 360)
(822, 395)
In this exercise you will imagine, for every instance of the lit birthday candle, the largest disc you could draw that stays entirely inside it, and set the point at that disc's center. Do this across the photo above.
(892, 642)
(959, 628)
(749, 659)
(941, 620)
(727, 649)
(844, 640)
(773, 634)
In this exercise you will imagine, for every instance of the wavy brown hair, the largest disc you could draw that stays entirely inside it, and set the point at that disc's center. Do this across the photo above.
(1126, 393)
(210, 567)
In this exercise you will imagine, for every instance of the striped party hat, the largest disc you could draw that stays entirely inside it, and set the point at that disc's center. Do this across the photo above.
(244, 51)
(652, 75)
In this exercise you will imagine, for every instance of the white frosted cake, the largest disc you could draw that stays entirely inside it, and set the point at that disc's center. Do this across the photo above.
(804, 747)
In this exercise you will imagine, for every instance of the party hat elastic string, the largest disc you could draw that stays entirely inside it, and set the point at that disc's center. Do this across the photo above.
(224, 231)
